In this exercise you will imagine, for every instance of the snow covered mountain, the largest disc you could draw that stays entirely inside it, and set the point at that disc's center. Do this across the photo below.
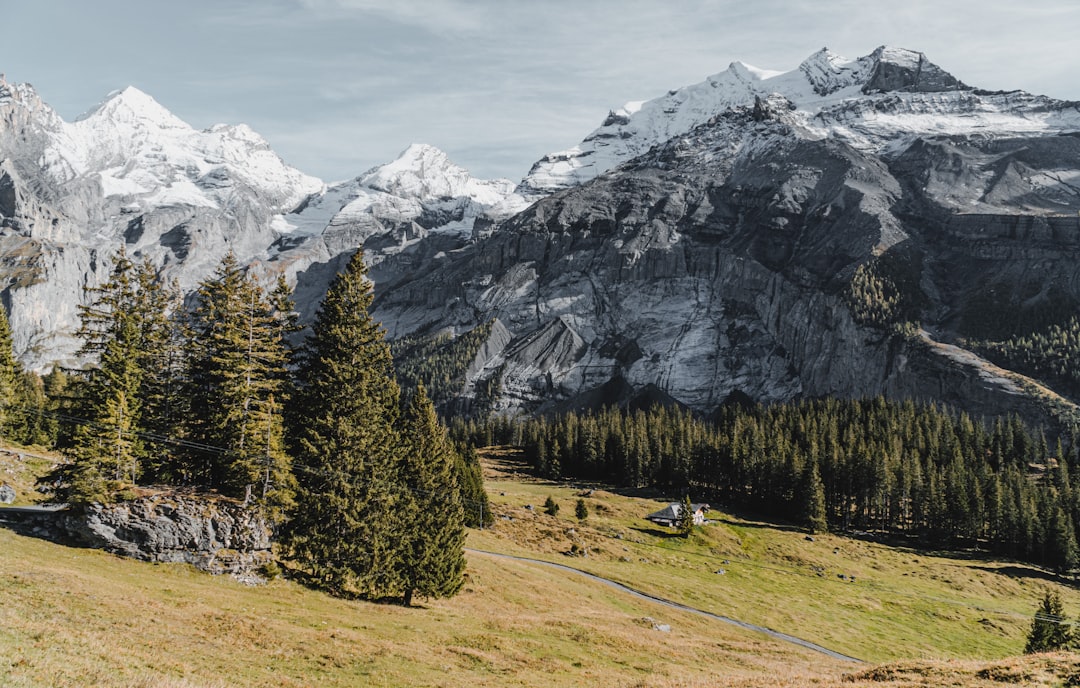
(130, 172)
(884, 99)
(402, 213)
(421, 185)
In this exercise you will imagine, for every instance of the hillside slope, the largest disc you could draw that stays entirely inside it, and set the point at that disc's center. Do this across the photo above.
(79, 617)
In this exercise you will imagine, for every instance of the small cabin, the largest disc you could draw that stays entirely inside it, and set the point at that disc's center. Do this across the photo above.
(669, 515)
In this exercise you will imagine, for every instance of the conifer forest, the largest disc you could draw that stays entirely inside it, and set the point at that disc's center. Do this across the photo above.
(923, 473)
(366, 492)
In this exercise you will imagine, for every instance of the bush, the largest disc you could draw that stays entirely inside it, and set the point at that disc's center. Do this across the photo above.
(580, 510)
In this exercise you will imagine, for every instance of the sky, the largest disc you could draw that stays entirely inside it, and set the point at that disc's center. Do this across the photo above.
(339, 86)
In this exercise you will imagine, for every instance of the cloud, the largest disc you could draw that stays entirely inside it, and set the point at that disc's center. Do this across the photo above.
(434, 16)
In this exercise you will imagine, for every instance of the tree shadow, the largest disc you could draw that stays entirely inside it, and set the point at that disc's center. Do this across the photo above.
(1028, 573)
(656, 532)
(788, 528)
(41, 524)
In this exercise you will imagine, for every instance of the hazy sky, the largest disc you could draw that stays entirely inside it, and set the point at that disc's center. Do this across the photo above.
(338, 86)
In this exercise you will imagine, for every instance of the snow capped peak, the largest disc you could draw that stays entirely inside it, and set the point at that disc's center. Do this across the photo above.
(898, 56)
(821, 82)
(900, 69)
(131, 106)
(422, 185)
(424, 172)
(752, 72)
(828, 72)
(24, 95)
(419, 160)
(142, 153)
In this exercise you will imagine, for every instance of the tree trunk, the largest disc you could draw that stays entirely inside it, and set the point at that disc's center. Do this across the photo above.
(406, 600)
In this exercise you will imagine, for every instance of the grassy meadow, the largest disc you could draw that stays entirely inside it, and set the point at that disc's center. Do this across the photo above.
(77, 617)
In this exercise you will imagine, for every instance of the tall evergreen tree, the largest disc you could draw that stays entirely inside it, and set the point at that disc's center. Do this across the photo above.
(1061, 547)
(162, 351)
(236, 379)
(813, 495)
(10, 371)
(107, 450)
(685, 522)
(474, 498)
(1050, 630)
(432, 562)
(29, 423)
(346, 447)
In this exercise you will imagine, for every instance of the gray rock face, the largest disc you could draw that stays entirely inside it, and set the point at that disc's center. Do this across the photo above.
(721, 262)
(215, 536)
(905, 71)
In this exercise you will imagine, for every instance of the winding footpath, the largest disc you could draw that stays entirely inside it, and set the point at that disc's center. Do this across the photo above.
(676, 605)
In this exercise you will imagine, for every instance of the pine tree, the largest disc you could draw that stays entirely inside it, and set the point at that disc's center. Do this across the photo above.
(580, 510)
(684, 525)
(346, 448)
(551, 507)
(432, 562)
(164, 403)
(107, 450)
(813, 493)
(235, 380)
(1061, 547)
(1050, 630)
(30, 424)
(474, 498)
(10, 372)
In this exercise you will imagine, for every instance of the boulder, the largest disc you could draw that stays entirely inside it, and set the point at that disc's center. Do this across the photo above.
(212, 533)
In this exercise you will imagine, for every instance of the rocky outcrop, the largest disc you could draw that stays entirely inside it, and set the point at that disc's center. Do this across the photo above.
(213, 534)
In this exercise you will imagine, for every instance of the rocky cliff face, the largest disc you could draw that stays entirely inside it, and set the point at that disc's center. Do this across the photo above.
(728, 258)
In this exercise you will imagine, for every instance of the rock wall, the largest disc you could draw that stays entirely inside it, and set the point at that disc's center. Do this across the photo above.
(212, 534)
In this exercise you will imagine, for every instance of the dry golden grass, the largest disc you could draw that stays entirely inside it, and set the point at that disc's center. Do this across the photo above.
(73, 617)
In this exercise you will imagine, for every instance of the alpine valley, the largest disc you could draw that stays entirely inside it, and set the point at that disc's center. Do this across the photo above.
(849, 228)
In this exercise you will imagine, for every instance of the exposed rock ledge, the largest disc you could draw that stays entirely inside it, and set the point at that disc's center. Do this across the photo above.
(210, 532)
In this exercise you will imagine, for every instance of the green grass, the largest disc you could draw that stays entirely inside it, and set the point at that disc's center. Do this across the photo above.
(74, 617)
(903, 604)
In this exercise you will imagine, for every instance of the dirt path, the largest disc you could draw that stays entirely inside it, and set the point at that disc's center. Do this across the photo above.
(676, 605)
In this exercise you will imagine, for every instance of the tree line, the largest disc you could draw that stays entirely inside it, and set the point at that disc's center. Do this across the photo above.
(1051, 355)
(366, 491)
(932, 475)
